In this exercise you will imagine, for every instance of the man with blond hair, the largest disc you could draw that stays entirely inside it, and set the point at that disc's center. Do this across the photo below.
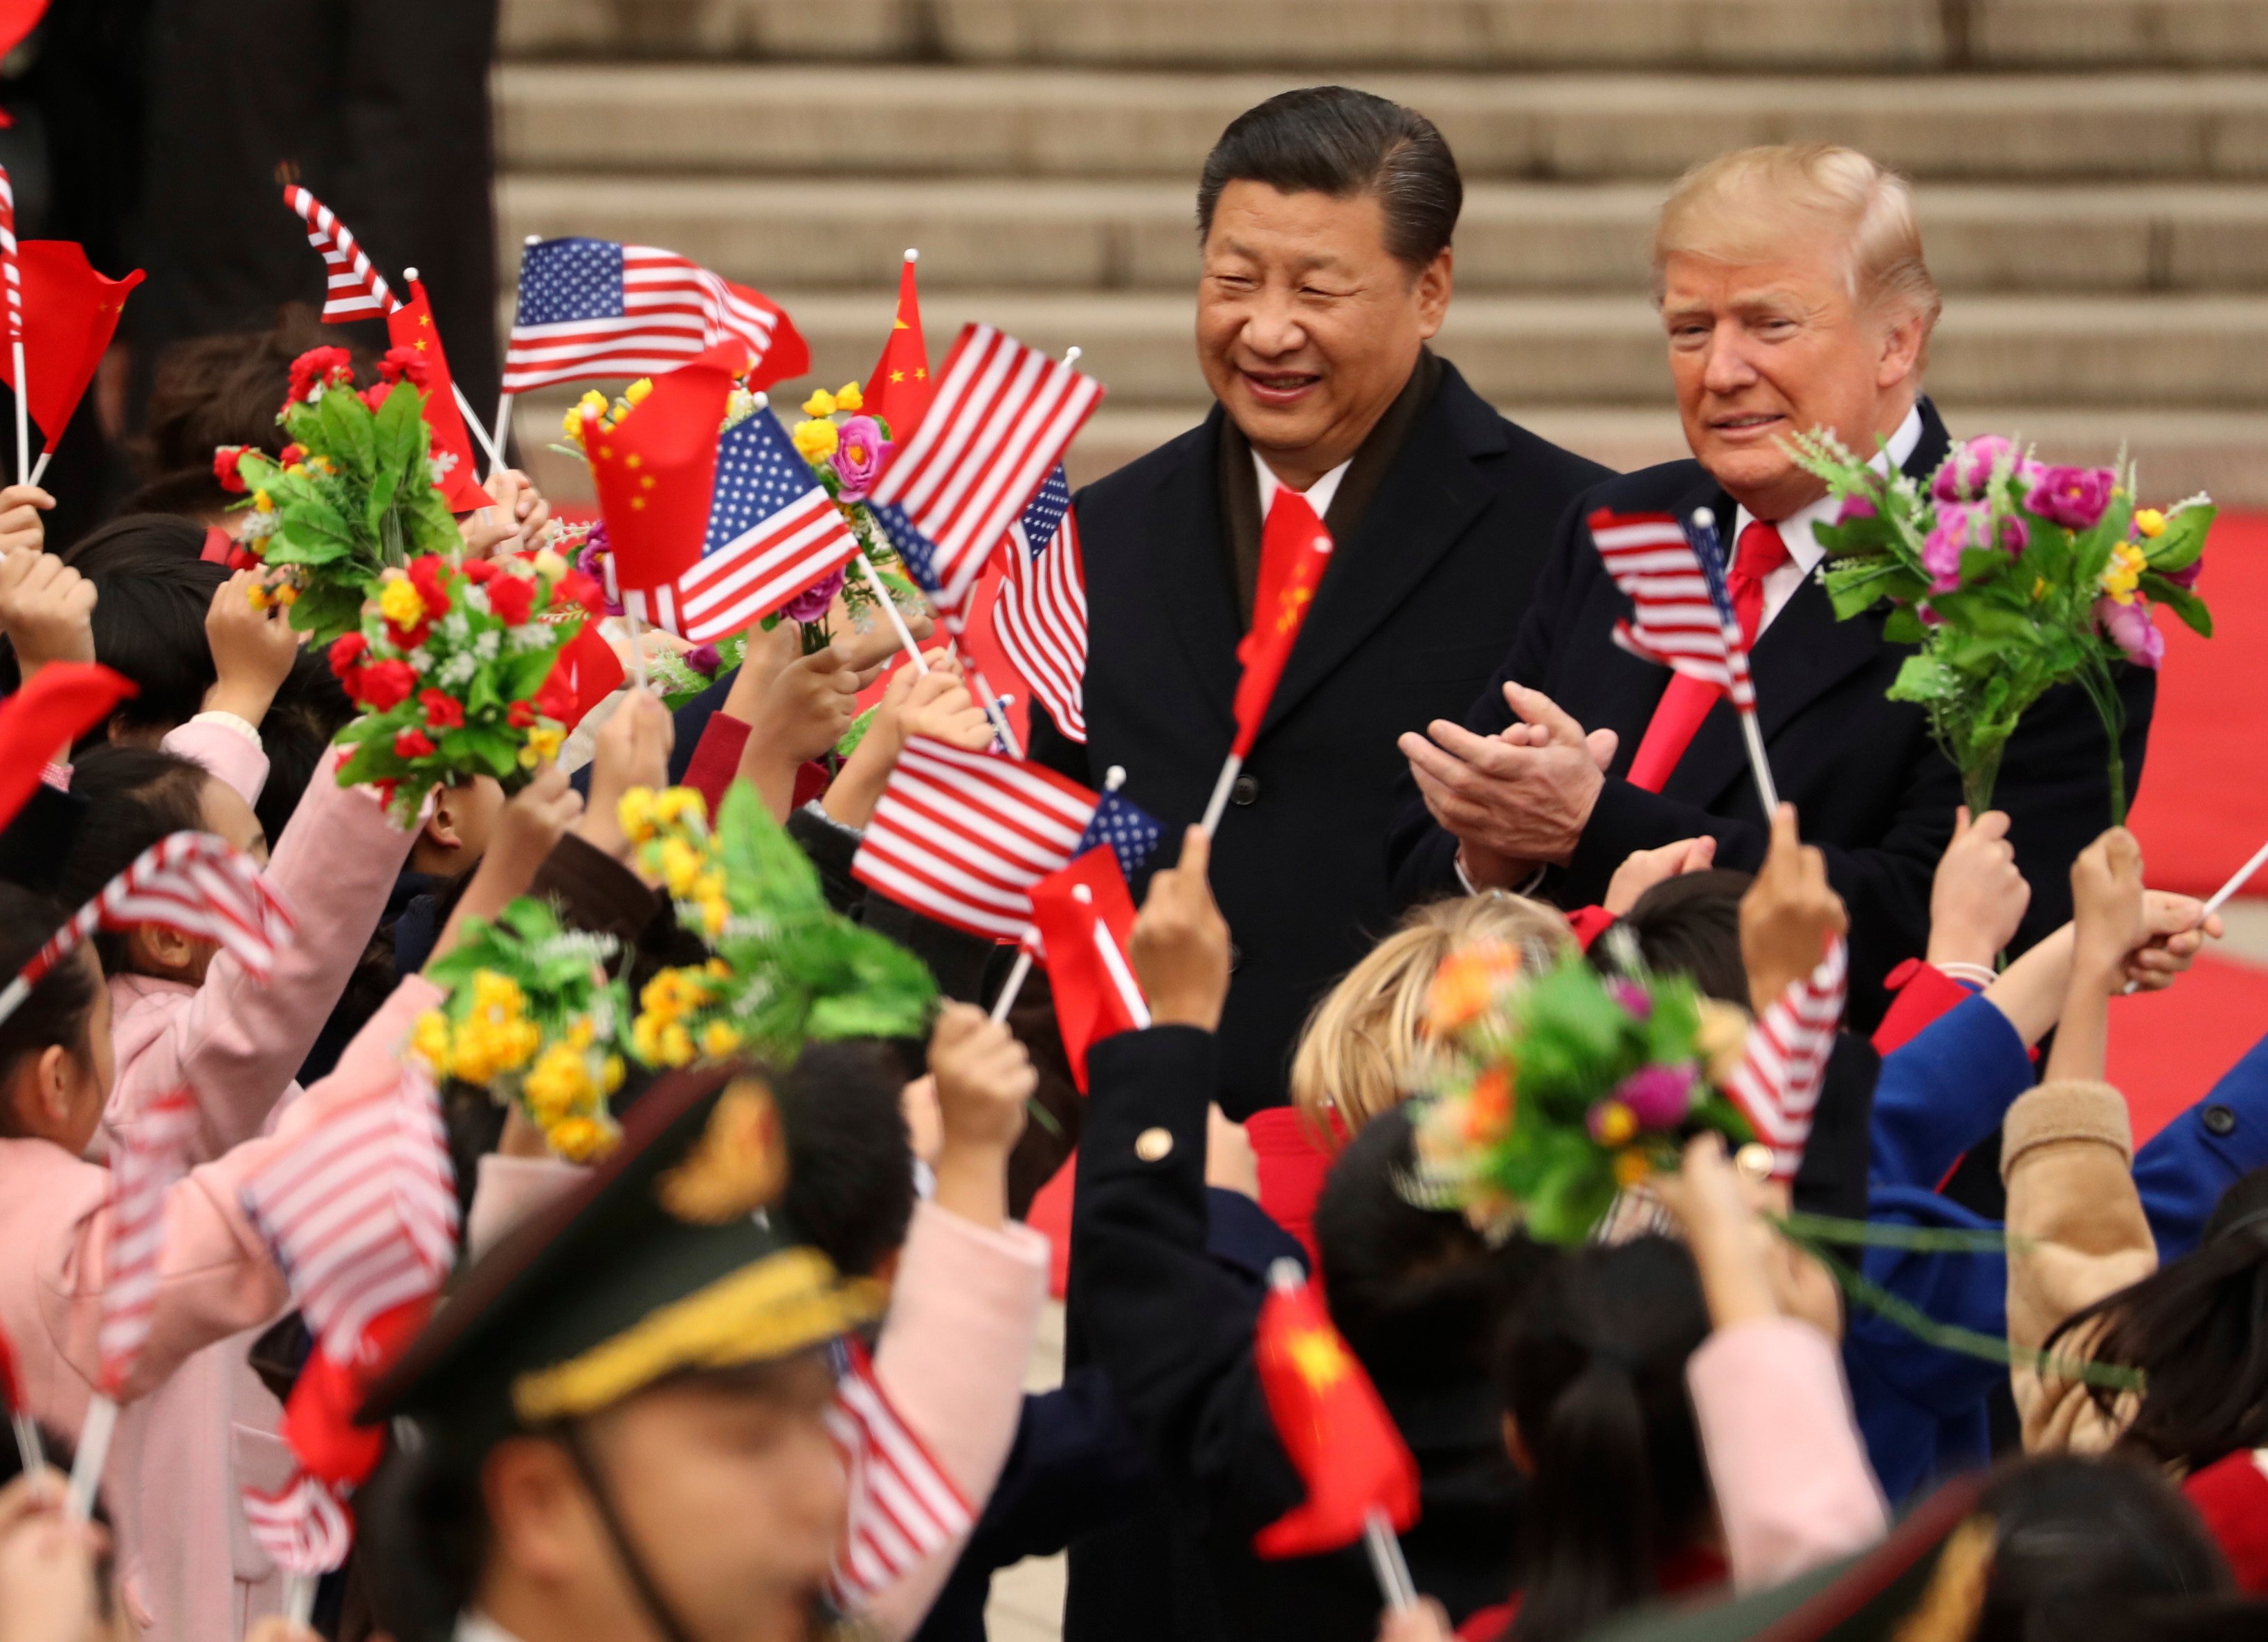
(1793, 296)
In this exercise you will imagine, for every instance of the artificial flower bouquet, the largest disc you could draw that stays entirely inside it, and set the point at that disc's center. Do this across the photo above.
(455, 668)
(531, 1016)
(784, 967)
(2010, 576)
(351, 496)
(1547, 1094)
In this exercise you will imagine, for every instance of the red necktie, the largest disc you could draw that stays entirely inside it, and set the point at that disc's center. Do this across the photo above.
(1677, 717)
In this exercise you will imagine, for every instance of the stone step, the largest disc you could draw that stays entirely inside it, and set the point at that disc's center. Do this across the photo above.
(1340, 34)
(1056, 235)
(2070, 352)
(832, 121)
(2178, 451)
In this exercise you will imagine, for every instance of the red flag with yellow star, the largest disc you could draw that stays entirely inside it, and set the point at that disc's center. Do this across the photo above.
(411, 326)
(656, 470)
(1295, 549)
(70, 312)
(1333, 1427)
(900, 390)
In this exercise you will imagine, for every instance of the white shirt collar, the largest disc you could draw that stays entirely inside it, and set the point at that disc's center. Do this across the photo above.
(1319, 494)
(1803, 549)
(474, 1626)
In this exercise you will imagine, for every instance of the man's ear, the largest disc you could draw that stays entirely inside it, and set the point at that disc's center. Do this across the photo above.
(154, 949)
(536, 1508)
(1433, 287)
(1901, 346)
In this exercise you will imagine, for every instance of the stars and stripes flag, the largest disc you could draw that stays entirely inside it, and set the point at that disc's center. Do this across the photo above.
(594, 307)
(1785, 1063)
(148, 1153)
(904, 1506)
(1003, 416)
(1040, 616)
(361, 1211)
(303, 1526)
(773, 531)
(357, 290)
(961, 838)
(192, 882)
(1126, 829)
(1674, 618)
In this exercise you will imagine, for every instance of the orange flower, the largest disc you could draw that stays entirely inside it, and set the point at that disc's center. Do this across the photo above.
(1488, 1105)
(1466, 983)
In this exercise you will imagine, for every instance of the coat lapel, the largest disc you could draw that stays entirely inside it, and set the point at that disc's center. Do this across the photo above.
(1803, 654)
(1183, 568)
(1428, 499)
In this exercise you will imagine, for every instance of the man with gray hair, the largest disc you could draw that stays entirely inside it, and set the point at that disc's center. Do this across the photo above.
(1793, 296)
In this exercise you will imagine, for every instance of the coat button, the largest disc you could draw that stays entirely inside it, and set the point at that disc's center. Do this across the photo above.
(1151, 1144)
(2219, 1120)
(1246, 791)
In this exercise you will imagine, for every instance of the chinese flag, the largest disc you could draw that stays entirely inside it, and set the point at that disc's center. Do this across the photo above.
(657, 471)
(411, 326)
(1332, 1425)
(70, 312)
(1294, 551)
(900, 390)
(1085, 917)
(63, 701)
(590, 668)
(18, 18)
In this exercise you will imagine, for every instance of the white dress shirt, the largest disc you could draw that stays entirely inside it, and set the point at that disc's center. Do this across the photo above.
(1804, 552)
(1319, 494)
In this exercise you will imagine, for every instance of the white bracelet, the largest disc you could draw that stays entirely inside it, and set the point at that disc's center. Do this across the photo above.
(1978, 975)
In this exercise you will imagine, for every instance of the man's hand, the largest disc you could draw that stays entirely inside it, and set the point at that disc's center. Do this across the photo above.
(1642, 869)
(2107, 909)
(46, 608)
(985, 1081)
(1180, 945)
(1978, 897)
(630, 750)
(528, 828)
(1788, 915)
(22, 530)
(1518, 799)
(253, 650)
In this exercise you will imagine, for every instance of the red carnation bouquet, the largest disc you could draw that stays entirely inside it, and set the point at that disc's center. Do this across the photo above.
(456, 670)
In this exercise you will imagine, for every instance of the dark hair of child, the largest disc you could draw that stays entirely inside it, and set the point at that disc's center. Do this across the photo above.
(61, 1008)
(1594, 1377)
(850, 1175)
(135, 796)
(1691, 924)
(2198, 1329)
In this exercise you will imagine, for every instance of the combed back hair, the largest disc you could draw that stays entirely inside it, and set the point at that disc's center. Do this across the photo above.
(1360, 1046)
(1746, 206)
(1333, 140)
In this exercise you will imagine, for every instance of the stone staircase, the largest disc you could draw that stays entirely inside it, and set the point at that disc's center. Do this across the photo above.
(2093, 173)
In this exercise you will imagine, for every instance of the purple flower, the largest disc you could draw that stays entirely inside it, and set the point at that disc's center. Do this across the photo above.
(1960, 524)
(1969, 470)
(1631, 996)
(704, 660)
(1856, 507)
(2187, 575)
(812, 603)
(591, 559)
(1658, 1096)
(2073, 498)
(2129, 627)
(1927, 616)
(859, 450)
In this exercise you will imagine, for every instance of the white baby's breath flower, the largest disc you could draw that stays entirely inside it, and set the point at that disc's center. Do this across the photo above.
(476, 597)
(487, 646)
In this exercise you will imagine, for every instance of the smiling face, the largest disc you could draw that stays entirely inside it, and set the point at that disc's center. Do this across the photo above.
(1307, 326)
(1760, 351)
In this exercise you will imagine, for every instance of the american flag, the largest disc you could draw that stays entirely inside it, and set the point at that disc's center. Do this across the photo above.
(904, 1507)
(1003, 416)
(358, 291)
(1675, 617)
(10, 270)
(1785, 1063)
(1039, 617)
(961, 838)
(1131, 832)
(361, 1212)
(148, 1155)
(593, 307)
(773, 531)
(303, 1526)
(192, 882)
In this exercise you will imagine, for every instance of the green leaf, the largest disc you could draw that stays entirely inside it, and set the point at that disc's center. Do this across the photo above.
(1923, 679)
(2183, 602)
(347, 433)
(1904, 627)
(2183, 541)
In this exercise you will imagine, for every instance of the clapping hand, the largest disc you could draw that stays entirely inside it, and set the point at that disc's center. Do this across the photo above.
(1518, 799)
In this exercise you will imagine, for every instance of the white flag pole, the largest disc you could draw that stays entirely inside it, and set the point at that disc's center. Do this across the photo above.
(300, 1599)
(1220, 792)
(23, 411)
(41, 466)
(496, 440)
(1751, 731)
(1111, 782)
(2220, 896)
(93, 1453)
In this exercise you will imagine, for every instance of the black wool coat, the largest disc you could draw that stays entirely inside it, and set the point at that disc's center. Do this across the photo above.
(1409, 618)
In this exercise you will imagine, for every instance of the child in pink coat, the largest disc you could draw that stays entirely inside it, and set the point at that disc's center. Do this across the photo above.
(177, 1466)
